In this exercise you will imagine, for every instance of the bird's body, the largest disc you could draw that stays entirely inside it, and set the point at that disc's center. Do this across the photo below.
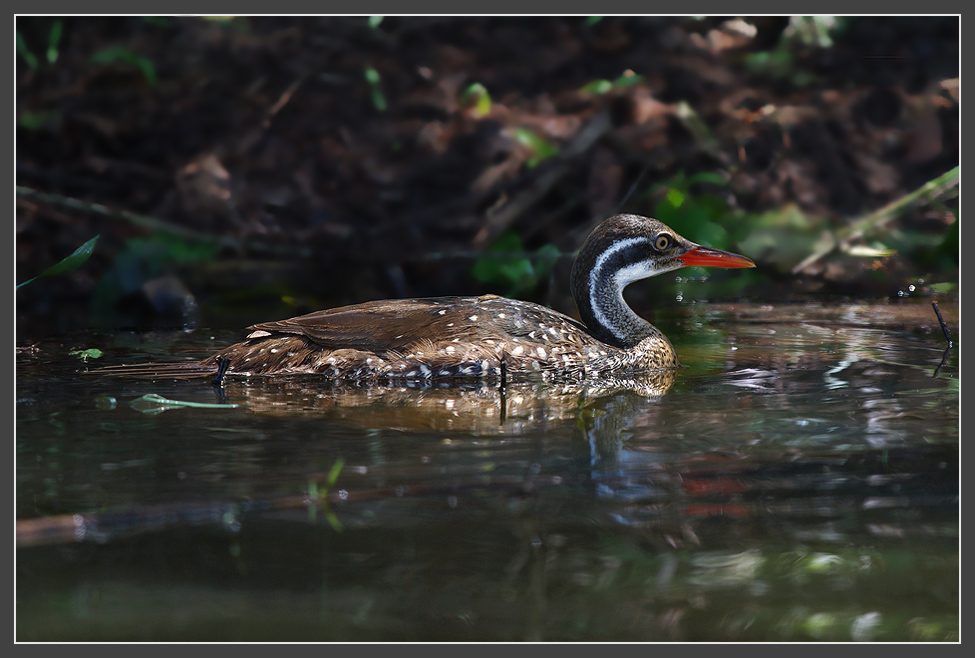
(434, 338)
(464, 337)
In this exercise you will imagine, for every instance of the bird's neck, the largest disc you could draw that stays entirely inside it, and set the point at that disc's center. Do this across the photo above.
(599, 274)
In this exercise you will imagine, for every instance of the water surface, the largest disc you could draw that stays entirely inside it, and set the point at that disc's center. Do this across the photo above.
(797, 480)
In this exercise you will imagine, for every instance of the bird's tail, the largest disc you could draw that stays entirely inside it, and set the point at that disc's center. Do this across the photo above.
(186, 370)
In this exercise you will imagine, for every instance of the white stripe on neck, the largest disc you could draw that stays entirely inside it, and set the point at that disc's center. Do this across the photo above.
(621, 278)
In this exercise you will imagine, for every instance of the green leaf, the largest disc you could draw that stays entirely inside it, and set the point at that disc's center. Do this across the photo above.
(772, 64)
(374, 21)
(477, 94)
(949, 243)
(541, 147)
(158, 21)
(713, 235)
(675, 197)
(597, 87)
(507, 265)
(712, 177)
(84, 355)
(74, 261)
(378, 99)
(333, 474)
(39, 120)
(53, 39)
(547, 256)
(628, 79)
(495, 268)
(164, 249)
(25, 52)
(333, 520)
(126, 56)
(944, 288)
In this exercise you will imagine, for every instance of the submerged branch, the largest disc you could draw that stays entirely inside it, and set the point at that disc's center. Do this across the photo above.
(112, 524)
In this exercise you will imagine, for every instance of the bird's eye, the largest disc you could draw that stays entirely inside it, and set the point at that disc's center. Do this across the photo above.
(662, 242)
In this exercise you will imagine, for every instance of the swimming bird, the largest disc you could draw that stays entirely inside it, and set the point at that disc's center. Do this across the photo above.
(472, 337)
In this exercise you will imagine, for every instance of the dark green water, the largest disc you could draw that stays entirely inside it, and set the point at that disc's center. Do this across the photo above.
(798, 481)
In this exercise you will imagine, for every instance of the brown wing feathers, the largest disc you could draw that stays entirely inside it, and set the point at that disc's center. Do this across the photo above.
(374, 326)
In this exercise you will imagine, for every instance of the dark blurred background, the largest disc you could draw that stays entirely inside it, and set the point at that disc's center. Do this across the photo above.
(244, 169)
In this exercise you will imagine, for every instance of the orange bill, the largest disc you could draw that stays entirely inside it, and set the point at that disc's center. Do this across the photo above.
(700, 256)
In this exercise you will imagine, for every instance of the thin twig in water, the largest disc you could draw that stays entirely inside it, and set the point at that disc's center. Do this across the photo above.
(944, 361)
(944, 325)
(223, 364)
(944, 328)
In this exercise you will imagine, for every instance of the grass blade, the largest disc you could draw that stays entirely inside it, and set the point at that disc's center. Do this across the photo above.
(72, 262)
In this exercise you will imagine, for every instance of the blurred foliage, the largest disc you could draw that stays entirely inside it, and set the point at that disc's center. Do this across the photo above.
(53, 42)
(541, 148)
(54, 38)
(320, 495)
(697, 206)
(476, 96)
(597, 87)
(692, 206)
(697, 215)
(603, 86)
(818, 31)
(143, 259)
(375, 90)
(24, 51)
(506, 265)
(945, 255)
(783, 237)
(120, 54)
(781, 62)
(158, 21)
(40, 120)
